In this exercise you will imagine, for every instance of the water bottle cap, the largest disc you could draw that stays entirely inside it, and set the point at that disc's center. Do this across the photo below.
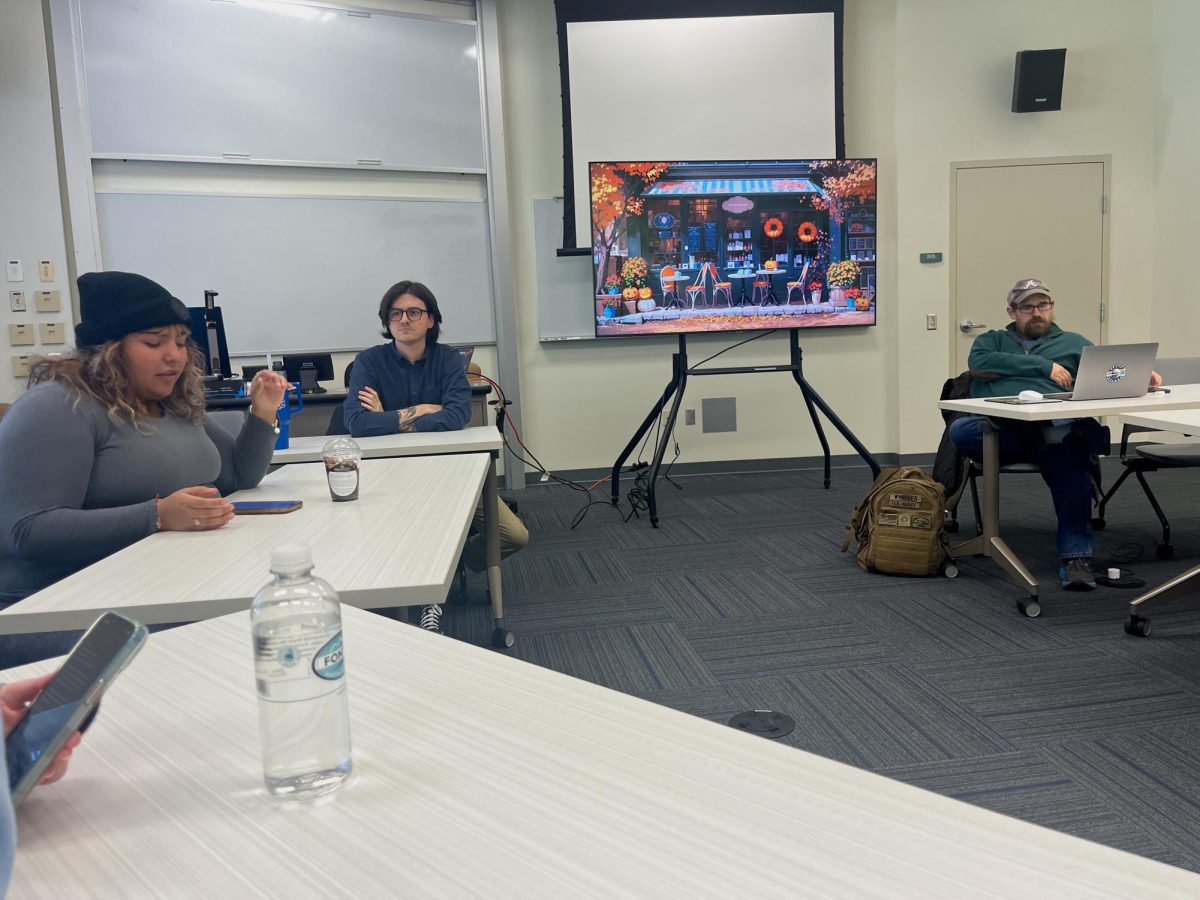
(291, 559)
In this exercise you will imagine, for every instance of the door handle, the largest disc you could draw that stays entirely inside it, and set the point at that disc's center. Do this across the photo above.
(966, 325)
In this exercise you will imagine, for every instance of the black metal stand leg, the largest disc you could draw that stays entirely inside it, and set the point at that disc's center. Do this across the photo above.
(661, 449)
(646, 426)
(811, 397)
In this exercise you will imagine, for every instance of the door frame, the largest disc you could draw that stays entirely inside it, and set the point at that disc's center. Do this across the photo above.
(1105, 161)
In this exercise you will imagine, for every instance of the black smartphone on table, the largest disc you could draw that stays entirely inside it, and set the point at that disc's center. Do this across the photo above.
(265, 507)
(69, 700)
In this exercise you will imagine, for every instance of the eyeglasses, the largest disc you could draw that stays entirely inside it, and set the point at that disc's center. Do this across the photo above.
(1028, 309)
(414, 313)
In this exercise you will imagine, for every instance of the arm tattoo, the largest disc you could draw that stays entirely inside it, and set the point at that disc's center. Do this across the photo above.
(408, 418)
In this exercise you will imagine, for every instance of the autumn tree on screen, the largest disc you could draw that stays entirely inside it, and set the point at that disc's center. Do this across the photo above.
(617, 190)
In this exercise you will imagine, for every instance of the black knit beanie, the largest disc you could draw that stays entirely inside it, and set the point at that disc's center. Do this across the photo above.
(114, 304)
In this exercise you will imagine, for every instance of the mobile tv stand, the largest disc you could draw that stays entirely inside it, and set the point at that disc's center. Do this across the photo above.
(679, 376)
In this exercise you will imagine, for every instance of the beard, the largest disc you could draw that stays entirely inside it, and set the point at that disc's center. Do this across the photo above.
(1034, 328)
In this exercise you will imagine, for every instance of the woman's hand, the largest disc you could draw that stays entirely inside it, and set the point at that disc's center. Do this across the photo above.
(266, 395)
(370, 400)
(14, 701)
(194, 509)
(1155, 380)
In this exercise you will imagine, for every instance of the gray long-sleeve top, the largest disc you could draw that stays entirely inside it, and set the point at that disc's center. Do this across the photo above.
(76, 487)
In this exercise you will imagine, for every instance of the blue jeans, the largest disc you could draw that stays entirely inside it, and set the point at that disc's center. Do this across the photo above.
(1066, 468)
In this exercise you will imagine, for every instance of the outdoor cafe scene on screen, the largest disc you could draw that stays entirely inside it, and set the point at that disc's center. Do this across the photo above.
(733, 245)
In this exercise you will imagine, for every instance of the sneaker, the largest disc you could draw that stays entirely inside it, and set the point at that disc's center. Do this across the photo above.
(1076, 574)
(431, 618)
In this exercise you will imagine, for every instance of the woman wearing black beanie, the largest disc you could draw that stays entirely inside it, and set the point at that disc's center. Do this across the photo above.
(111, 443)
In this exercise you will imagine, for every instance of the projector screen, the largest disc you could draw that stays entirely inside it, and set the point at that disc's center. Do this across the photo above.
(644, 85)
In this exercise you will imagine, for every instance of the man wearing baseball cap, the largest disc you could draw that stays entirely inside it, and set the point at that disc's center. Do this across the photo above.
(1033, 353)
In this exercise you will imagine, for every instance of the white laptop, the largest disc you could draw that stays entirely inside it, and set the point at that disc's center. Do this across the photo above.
(1112, 372)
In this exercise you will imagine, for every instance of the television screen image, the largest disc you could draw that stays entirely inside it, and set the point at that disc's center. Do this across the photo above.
(685, 247)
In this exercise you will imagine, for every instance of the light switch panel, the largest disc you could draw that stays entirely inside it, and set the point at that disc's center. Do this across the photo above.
(16, 301)
(13, 267)
(52, 333)
(46, 269)
(48, 301)
(20, 334)
(20, 366)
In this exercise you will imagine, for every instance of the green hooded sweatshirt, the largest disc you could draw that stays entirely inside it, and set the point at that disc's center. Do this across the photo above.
(1019, 369)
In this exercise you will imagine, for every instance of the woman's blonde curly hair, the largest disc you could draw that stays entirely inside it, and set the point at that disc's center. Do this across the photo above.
(99, 372)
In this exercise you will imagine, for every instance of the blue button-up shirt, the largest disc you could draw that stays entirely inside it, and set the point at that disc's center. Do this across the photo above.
(440, 376)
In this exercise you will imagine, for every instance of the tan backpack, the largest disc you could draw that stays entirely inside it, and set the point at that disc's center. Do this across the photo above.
(898, 526)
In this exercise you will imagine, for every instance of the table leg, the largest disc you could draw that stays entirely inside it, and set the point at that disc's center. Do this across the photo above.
(501, 636)
(1184, 585)
(990, 544)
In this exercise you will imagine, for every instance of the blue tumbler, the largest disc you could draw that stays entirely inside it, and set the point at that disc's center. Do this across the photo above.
(284, 412)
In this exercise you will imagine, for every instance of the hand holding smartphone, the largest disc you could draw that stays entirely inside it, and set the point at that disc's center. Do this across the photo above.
(69, 700)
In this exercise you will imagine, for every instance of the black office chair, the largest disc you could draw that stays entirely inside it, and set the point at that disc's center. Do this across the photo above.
(1152, 457)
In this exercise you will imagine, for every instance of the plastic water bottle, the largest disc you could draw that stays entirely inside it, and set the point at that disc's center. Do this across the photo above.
(303, 714)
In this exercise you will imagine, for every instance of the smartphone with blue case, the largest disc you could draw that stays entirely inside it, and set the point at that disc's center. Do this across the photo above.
(69, 699)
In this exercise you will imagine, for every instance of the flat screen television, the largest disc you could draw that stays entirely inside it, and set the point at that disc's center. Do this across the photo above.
(733, 245)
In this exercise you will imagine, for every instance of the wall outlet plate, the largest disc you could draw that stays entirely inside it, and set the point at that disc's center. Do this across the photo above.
(16, 301)
(46, 269)
(48, 301)
(20, 334)
(20, 366)
(52, 333)
(13, 268)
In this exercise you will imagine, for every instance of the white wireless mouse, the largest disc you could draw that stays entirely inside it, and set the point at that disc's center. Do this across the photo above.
(1029, 395)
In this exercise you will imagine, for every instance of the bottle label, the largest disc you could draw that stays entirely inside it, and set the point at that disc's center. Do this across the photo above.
(343, 482)
(291, 667)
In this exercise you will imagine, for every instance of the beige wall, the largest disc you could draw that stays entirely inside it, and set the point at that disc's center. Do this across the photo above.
(1176, 310)
(31, 224)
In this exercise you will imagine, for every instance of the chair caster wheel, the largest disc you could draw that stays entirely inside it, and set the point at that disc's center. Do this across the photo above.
(1031, 608)
(1138, 626)
(1098, 523)
(502, 638)
(950, 570)
(1164, 551)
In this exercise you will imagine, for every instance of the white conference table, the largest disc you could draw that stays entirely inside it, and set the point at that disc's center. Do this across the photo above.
(478, 775)
(396, 545)
(1186, 422)
(989, 543)
(477, 439)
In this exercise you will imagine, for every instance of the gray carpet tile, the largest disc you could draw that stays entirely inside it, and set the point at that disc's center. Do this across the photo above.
(779, 644)
(1029, 785)
(1172, 652)
(1035, 698)
(950, 626)
(636, 659)
(681, 560)
(872, 717)
(578, 608)
(742, 600)
(730, 593)
(1150, 778)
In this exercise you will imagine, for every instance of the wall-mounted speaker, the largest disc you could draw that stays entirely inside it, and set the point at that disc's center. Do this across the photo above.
(1038, 80)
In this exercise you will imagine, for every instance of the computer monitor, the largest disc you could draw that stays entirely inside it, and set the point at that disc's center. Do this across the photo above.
(308, 369)
(206, 325)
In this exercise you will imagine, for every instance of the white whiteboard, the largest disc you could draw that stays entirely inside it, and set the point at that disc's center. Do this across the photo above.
(279, 81)
(566, 308)
(723, 87)
(305, 273)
